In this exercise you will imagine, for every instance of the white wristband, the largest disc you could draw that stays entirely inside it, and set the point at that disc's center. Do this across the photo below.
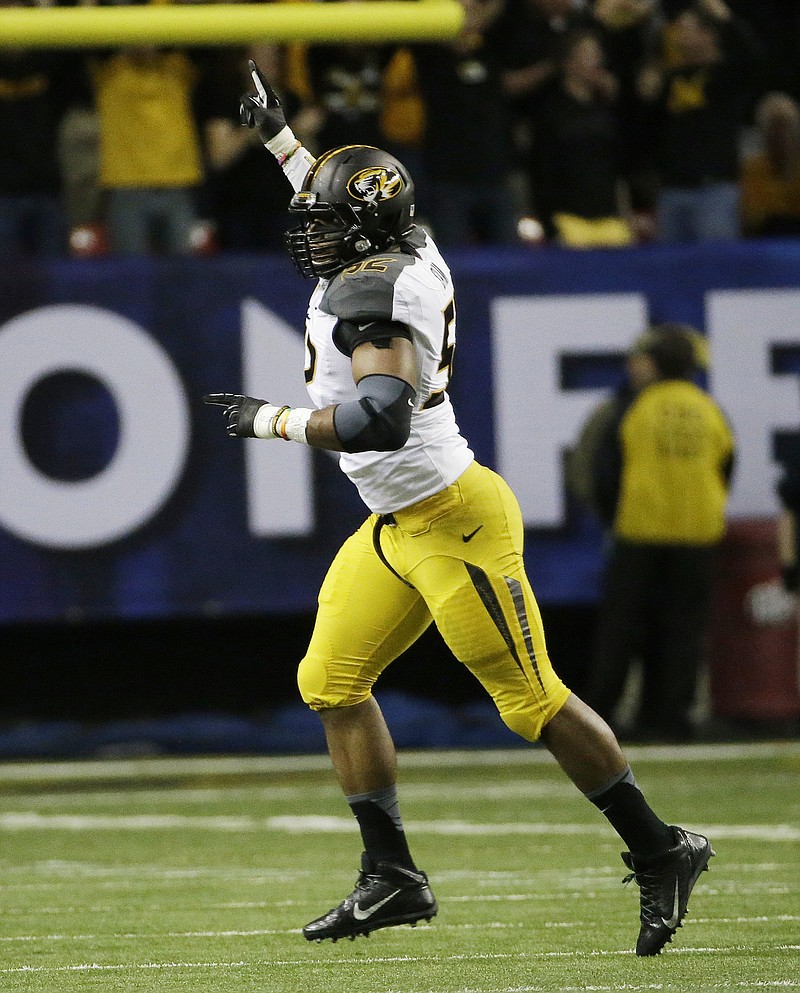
(264, 421)
(283, 144)
(293, 158)
(288, 423)
(293, 426)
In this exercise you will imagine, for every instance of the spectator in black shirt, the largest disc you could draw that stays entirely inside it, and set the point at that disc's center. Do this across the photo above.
(700, 107)
(529, 32)
(578, 151)
(466, 144)
(777, 25)
(529, 36)
(347, 85)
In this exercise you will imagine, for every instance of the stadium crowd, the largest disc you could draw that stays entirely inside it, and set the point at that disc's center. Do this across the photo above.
(576, 122)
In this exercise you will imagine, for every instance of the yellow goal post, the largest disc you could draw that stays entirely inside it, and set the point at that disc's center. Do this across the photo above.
(230, 23)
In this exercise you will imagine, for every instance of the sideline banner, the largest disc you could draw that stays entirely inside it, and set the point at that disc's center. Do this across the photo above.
(121, 496)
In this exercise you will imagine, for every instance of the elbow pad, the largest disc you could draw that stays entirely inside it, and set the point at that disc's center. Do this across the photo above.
(380, 420)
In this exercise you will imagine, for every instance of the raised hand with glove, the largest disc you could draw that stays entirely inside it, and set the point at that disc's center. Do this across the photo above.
(262, 110)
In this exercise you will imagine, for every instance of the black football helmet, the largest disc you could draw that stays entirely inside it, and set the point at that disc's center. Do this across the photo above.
(355, 200)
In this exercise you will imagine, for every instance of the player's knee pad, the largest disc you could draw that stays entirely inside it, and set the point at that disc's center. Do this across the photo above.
(321, 687)
(311, 682)
(528, 722)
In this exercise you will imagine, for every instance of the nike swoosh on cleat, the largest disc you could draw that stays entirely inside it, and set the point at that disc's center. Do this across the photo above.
(672, 922)
(468, 537)
(363, 915)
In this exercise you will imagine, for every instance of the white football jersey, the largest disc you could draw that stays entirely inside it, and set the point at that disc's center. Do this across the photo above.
(411, 285)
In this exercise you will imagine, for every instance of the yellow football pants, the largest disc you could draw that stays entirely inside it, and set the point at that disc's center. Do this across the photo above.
(455, 559)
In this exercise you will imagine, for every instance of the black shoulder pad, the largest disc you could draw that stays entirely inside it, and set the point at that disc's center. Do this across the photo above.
(348, 335)
(365, 289)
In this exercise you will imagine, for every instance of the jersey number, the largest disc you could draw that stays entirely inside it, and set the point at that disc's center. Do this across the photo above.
(311, 368)
(447, 354)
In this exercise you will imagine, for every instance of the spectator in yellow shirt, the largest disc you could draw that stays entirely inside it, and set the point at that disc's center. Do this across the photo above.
(150, 150)
(770, 179)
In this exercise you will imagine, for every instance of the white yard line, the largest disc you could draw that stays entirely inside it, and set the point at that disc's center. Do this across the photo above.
(369, 960)
(508, 789)
(421, 928)
(29, 820)
(171, 768)
(724, 984)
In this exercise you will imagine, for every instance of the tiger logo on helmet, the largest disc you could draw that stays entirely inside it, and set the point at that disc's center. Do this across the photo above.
(375, 184)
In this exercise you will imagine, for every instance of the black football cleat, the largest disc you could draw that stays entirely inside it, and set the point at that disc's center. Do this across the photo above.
(385, 895)
(665, 882)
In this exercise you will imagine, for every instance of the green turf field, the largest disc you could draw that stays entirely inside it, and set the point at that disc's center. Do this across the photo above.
(197, 874)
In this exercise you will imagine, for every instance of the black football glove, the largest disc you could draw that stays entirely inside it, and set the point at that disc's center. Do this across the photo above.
(240, 412)
(262, 110)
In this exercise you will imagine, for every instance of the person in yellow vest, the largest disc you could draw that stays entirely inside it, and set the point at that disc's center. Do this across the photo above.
(150, 149)
(661, 477)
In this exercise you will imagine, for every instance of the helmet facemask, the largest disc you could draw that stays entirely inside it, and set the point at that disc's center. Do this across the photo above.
(329, 237)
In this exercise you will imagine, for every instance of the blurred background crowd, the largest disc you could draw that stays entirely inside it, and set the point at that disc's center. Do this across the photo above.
(581, 123)
(573, 123)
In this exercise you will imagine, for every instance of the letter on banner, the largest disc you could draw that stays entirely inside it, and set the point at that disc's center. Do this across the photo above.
(534, 418)
(148, 462)
(280, 496)
(743, 325)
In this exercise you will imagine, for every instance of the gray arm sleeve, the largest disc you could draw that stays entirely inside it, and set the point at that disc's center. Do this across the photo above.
(380, 420)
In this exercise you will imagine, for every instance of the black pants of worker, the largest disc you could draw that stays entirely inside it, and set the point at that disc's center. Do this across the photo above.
(655, 608)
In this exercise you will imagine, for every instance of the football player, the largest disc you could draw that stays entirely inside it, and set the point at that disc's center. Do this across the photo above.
(443, 541)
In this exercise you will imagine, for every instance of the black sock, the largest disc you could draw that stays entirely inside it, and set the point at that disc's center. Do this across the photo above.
(630, 815)
(378, 817)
